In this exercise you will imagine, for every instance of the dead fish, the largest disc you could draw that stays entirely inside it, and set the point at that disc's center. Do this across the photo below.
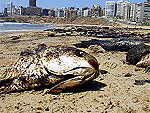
(145, 61)
(119, 44)
(135, 54)
(139, 56)
(57, 68)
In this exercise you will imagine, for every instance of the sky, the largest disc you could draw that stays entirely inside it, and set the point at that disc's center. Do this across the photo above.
(60, 3)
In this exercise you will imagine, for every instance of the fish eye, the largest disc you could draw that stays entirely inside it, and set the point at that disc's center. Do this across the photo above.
(79, 53)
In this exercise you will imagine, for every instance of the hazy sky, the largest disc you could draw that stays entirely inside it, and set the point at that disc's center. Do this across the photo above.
(60, 3)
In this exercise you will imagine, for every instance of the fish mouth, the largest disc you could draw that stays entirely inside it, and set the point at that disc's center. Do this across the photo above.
(73, 80)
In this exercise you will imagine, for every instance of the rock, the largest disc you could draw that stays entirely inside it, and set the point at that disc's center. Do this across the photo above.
(51, 35)
(1, 52)
(94, 49)
(141, 82)
(86, 44)
(128, 75)
(59, 30)
(107, 36)
(47, 109)
(39, 108)
(15, 37)
(137, 69)
(103, 72)
(68, 34)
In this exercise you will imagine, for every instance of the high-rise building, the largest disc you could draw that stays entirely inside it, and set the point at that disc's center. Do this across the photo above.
(59, 13)
(119, 8)
(86, 13)
(20, 10)
(110, 9)
(143, 12)
(9, 7)
(51, 13)
(13, 9)
(33, 9)
(126, 6)
(32, 3)
(5, 11)
(45, 12)
(83, 9)
(96, 11)
(138, 12)
(133, 12)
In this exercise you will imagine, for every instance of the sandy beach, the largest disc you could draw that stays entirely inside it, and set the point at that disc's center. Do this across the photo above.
(111, 92)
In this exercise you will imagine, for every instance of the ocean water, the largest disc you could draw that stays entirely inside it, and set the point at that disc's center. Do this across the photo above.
(17, 27)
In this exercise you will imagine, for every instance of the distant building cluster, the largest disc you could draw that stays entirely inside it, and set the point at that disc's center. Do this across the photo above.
(127, 11)
(20, 10)
(123, 10)
(95, 11)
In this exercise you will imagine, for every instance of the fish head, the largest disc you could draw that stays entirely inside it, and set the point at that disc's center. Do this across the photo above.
(74, 66)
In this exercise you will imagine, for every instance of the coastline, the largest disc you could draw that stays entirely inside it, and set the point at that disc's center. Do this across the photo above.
(6, 27)
(65, 22)
(111, 92)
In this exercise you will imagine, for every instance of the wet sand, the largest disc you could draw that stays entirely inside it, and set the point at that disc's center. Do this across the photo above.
(111, 92)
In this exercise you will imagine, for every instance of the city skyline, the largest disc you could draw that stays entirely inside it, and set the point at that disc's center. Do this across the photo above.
(60, 3)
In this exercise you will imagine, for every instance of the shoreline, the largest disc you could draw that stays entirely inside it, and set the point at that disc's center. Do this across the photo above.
(7, 27)
(79, 25)
(80, 21)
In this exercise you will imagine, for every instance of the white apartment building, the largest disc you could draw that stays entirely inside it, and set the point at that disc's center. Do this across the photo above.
(59, 13)
(86, 13)
(146, 11)
(20, 10)
(119, 8)
(126, 6)
(10, 6)
(143, 12)
(138, 12)
(110, 9)
(133, 12)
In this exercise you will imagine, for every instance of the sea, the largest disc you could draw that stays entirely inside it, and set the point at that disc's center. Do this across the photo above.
(6, 27)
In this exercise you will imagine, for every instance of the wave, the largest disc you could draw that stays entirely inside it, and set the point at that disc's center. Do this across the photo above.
(4, 22)
(16, 27)
(7, 31)
(14, 23)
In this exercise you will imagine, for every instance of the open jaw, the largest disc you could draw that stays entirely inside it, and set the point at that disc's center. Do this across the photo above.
(71, 81)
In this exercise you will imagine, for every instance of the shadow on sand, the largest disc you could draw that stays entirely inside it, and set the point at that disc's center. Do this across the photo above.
(89, 86)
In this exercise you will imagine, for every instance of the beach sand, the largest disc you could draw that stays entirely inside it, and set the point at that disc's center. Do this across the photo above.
(112, 92)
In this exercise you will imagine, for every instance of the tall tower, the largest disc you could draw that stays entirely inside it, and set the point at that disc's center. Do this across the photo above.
(32, 3)
(9, 7)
